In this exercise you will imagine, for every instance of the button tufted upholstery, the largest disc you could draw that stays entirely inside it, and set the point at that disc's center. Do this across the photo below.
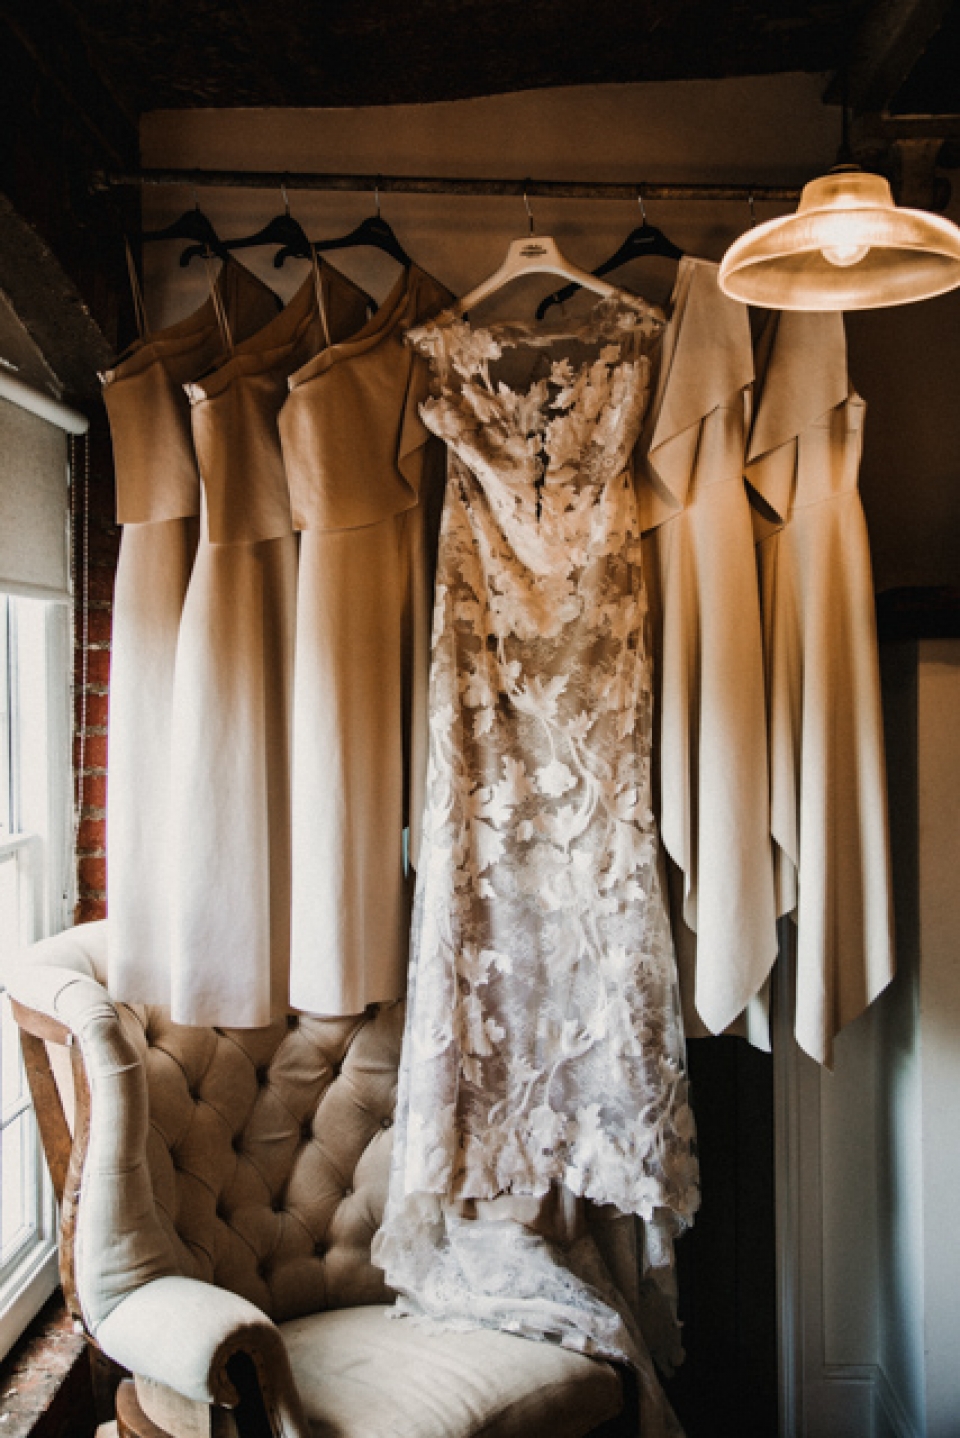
(231, 1183)
(268, 1152)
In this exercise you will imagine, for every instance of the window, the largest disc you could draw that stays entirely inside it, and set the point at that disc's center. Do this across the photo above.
(36, 811)
(35, 900)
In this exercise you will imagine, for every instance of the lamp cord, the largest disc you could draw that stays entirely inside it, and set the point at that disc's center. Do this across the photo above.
(845, 153)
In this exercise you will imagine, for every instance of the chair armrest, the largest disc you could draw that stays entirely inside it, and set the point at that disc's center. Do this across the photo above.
(82, 949)
(67, 999)
(182, 1333)
(112, 1239)
(37, 979)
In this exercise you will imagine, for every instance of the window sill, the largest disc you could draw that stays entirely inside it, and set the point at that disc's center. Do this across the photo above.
(25, 1291)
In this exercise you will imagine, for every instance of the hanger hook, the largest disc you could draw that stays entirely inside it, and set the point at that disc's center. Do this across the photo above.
(207, 251)
(376, 194)
(753, 208)
(643, 208)
(283, 194)
(526, 202)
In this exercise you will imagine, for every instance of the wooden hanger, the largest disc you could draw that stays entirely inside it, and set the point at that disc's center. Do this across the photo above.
(534, 254)
(642, 243)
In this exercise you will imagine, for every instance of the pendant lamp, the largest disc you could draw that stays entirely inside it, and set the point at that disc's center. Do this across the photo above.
(848, 247)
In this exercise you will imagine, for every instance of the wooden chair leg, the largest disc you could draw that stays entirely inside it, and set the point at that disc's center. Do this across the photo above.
(132, 1422)
(106, 1377)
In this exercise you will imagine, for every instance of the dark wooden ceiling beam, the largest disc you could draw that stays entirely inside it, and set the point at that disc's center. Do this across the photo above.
(50, 306)
(48, 37)
(269, 36)
(110, 62)
(888, 128)
(293, 53)
(884, 50)
(80, 21)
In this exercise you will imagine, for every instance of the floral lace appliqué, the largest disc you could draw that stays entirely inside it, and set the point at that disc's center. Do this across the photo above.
(544, 1044)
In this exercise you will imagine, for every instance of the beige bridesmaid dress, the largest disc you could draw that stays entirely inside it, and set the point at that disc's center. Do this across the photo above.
(366, 481)
(233, 682)
(158, 503)
(711, 724)
(827, 778)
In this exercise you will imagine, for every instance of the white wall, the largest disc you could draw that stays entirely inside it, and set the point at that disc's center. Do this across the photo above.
(829, 1259)
(900, 1088)
(920, 1055)
(938, 748)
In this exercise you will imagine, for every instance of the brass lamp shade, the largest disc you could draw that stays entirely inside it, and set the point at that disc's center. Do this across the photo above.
(848, 247)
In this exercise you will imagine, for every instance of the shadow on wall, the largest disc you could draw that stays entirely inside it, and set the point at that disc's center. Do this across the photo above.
(905, 362)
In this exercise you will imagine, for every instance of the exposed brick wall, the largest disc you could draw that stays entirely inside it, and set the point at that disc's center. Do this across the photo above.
(102, 549)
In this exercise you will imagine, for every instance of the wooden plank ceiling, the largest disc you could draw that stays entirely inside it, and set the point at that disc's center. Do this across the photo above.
(224, 53)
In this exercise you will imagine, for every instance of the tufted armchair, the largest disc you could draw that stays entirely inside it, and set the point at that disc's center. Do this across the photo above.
(220, 1189)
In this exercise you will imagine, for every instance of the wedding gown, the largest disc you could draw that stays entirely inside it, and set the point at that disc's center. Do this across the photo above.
(544, 1052)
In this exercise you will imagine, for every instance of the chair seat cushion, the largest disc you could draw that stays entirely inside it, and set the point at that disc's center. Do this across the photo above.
(364, 1375)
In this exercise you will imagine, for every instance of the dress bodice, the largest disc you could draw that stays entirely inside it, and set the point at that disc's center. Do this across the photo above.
(351, 431)
(149, 413)
(806, 438)
(543, 446)
(235, 409)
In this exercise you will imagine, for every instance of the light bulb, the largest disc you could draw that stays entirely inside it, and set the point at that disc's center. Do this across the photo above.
(844, 255)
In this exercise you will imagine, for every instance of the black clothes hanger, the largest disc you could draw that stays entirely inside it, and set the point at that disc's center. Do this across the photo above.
(374, 232)
(283, 231)
(192, 225)
(641, 243)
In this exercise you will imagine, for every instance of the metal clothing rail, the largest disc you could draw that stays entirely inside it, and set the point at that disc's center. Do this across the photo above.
(443, 185)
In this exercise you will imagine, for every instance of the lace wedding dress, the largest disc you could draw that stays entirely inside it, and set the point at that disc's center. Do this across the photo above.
(544, 1053)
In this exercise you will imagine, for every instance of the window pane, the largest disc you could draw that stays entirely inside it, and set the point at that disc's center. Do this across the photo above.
(12, 1079)
(18, 1204)
(36, 887)
(9, 906)
(5, 731)
(34, 824)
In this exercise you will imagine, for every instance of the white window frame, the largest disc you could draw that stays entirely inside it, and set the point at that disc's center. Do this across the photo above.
(41, 847)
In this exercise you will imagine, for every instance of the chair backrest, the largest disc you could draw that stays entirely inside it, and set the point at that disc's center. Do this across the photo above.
(254, 1159)
(269, 1151)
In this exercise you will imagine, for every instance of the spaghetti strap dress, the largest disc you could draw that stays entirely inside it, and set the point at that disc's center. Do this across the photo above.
(158, 505)
(827, 775)
(366, 480)
(233, 680)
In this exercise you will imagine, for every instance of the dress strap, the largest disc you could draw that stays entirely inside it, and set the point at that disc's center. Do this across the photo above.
(321, 305)
(136, 290)
(219, 308)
